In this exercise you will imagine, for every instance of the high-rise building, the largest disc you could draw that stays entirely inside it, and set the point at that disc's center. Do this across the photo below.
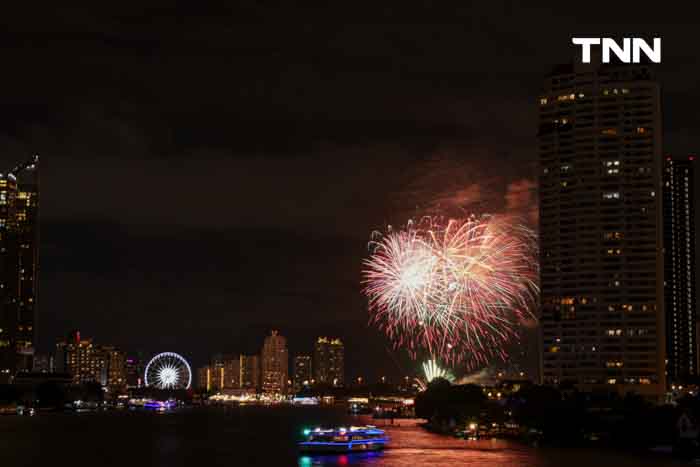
(79, 357)
(275, 363)
(87, 362)
(329, 361)
(601, 259)
(135, 367)
(250, 372)
(232, 371)
(302, 371)
(19, 266)
(9, 293)
(679, 269)
(28, 267)
(113, 374)
(223, 372)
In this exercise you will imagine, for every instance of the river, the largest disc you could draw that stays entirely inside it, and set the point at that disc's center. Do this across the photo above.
(257, 436)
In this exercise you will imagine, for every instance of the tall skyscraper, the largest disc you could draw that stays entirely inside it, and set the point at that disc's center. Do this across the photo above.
(275, 363)
(19, 266)
(9, 290)
(28, 267)
(250, 372)
(679, 269)
(602, 311)
(329, 361)
(302, 371)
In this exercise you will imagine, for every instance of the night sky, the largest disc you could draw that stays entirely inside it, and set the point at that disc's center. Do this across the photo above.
(211, 173)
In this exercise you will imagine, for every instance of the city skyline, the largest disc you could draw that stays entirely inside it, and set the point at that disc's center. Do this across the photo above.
(415, 233)
(286, 195)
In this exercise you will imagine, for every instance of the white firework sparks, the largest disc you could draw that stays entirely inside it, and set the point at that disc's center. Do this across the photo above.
(431, 371)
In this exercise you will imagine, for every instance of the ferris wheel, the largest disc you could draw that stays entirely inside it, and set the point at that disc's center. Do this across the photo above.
(168, 370)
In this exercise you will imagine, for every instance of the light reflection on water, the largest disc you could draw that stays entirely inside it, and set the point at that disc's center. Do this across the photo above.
(412, 446)
(257, 436)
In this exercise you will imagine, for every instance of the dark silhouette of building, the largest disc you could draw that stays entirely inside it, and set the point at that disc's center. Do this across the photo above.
(135, 368)
(602, 311)
(679, 269)
(19, 267)
(250, 372)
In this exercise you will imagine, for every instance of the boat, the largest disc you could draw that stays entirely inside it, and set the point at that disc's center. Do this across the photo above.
(344, 440)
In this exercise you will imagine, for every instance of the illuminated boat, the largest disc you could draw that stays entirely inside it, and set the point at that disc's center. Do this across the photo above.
(342, 440)
(159, 406)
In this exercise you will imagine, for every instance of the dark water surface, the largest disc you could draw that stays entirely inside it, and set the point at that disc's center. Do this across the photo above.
(251, 436)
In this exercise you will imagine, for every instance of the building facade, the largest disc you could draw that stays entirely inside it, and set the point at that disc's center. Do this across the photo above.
(302, 372)
(87, 362)
(9, 290)
(275, 364)
(135, 368)
(679, 269)
(28, 265)
(329, 361)
(250, 372)
(114, 375)
(223, 372)
(601, 258)
(19, 266)
(80, 358)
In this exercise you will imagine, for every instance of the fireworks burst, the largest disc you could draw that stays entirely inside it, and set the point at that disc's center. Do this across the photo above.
(431, 370)
(457, 289)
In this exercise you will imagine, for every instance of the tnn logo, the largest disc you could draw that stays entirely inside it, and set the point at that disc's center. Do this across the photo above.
(630, 51)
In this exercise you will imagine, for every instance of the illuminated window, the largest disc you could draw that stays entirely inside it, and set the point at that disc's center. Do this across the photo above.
(611, 195)
(543, 101)
(609, 131)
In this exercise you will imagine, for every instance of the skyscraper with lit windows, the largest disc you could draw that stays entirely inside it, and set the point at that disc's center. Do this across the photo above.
(19, 266)
(28, 265)
(9, 286)
(80, 358)
(302, 371)
(275, 363)
(679, 269)
(329, 361)
(601, 236)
